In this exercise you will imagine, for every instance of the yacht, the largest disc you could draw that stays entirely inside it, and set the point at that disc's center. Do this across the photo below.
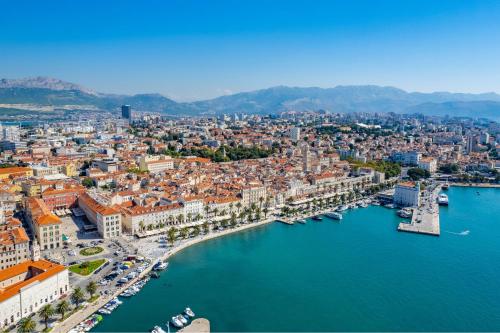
(342, 208)
(317, 218)
(442, 199)
(183, 319)
(158, 329)
(160, 266)
(334, 215)
(189, 312)
(363, 204)
(176, 322)
(405, 213)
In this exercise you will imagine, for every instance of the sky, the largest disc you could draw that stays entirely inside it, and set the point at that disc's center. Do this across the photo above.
(191, 50)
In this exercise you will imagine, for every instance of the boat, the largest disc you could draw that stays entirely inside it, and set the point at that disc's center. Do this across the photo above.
(176, 322)
(302, 221)
(334, 215)
(442, 200)
(391, 206)
(155, 275)
(342, 208)
(183, 319)
(160, 266)
(104, 311)
(445, 186)
(189, 312)
(158, 329)
(405, 213)
(363, 204)
(317, 218)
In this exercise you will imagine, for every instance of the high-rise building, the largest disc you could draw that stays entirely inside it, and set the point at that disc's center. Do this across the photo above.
(295, 134)
(471, 144)
(127, 112)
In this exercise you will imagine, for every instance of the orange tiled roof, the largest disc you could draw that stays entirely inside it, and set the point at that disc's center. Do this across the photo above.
(42, 270)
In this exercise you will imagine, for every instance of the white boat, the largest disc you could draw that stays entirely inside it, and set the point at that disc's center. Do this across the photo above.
(158, 329)
(342, 208)
(183, 319)
(442, 200)
(334, 215)
(390, 206)
(176, 322)
(363, 205)
(189, 312)
(160, 266)
(405, 213)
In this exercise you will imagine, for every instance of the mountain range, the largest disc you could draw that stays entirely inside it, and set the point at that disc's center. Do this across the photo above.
(42, 91)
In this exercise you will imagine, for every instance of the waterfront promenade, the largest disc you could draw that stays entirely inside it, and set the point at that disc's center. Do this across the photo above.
(425, 219)
(84, 313)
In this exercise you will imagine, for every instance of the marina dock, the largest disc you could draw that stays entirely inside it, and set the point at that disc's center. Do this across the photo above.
(425, 219)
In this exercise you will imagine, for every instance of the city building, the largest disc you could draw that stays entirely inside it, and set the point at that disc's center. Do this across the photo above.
(127, 112)
(14, 242)
(407, 194)
(428, 163)
(28, 286)
(107, 219)
(46, 225)
(295, 134)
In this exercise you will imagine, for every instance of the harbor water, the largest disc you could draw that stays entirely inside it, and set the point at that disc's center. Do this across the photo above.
(357, 275)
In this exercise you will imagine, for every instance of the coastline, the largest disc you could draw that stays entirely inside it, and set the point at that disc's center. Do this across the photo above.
(79, 316)
(83, 314)
(480, 185)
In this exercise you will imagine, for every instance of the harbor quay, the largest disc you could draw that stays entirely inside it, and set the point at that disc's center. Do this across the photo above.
(425, 218)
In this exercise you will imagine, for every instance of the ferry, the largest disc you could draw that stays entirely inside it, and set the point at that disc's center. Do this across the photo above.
(189, 312)
(317, 218)
(176, 322)
(334, 215)
(442, 199)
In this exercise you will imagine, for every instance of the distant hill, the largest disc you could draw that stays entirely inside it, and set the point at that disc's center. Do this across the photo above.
(44, 91)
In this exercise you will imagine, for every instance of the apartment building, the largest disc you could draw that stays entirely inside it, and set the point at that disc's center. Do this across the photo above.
(407, 194)
(14, 243)
(46, 225)
(107, 219)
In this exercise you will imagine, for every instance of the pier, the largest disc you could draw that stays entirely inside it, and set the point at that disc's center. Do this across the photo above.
(286, 221)
(200, 325)
(425, 219)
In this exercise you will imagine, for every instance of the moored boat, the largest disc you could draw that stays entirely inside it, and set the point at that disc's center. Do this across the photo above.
(176, 322)
(317, 218)
(442, 200)
(189, 312)
(302, 221)
(334, 215)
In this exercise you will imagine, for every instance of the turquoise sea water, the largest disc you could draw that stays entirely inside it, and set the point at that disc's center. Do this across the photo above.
(358, 275)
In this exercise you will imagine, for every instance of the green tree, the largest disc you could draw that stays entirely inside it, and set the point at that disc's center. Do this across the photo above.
(62, 307)
(91, 288)
(26, 325)
(87, 182)
(46, 312)
(171, 236)
(77, 296)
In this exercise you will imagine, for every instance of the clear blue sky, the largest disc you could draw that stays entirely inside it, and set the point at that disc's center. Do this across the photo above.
(199, 49)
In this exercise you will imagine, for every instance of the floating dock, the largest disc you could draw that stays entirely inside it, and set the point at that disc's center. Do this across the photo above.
(425, 219)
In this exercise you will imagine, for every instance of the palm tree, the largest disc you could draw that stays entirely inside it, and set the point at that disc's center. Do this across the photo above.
(231, 205)
(184, 232)
(141, 226)
(261, 200)
(238, 205)
(189, 216)
(180, 218)
(205, 227)
(91, 288)
(215, 211)
(265, 210)
(207, 210)
(198, 217)
(196, 230)
(77, 296)
(26, 325)
(234, 222)
(171, 236)
(46, 312)
(62, 307)
(253, 206)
